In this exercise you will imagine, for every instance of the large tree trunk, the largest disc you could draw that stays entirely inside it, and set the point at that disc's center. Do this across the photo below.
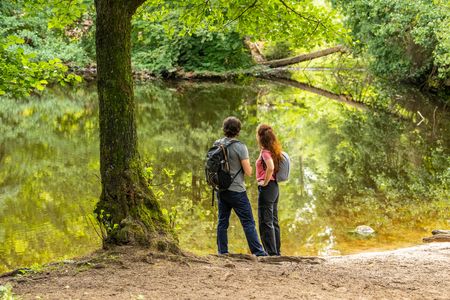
(304, 57)
(127, 208)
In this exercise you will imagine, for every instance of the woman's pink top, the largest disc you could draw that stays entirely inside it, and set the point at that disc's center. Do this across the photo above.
(260, 172)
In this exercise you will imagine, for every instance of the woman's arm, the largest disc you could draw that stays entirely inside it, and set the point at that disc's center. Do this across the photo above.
(270, 167)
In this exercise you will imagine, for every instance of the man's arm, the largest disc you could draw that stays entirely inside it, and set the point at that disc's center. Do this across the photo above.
(246, 167)
(245, 161)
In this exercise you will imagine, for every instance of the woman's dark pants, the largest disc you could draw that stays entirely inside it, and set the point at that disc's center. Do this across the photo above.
(239, 202)
(269, 229)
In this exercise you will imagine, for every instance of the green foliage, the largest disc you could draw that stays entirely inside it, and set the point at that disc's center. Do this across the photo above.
(31, 55)
(277, 50)
(152, 49)
(442, 51)
(198, 35)
(59, 14)
(22, 74)
(6, 293)
(307, 23)
(159, 46)
(104, 223)
(43, 39)
(409, 40)
(214, 52)
(160, 49)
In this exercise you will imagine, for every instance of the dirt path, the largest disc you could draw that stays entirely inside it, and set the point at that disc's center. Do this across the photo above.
(421, 272)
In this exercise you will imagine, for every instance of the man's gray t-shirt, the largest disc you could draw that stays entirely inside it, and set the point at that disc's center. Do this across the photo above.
(236, 153)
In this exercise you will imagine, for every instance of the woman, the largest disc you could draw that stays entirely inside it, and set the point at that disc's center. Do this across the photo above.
(266, 167)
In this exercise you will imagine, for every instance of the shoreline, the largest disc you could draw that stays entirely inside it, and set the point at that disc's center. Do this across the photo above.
(74, 258)
(418, 272)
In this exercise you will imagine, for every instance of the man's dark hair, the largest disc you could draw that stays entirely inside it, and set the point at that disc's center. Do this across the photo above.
(231, 127)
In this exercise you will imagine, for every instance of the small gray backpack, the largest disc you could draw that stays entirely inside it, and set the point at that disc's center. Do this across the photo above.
(284, 168)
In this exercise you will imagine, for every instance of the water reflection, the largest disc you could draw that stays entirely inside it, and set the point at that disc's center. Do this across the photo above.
(351, 167)
(48, 177)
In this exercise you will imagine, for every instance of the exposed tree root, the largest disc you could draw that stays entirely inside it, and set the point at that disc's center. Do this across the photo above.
(271, 259)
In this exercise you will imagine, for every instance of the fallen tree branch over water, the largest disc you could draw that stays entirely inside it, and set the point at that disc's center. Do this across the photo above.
(259, 58)
(303, 57)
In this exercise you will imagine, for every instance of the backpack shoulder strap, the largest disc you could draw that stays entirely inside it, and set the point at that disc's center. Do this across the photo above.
(225, 144)
(231, 142)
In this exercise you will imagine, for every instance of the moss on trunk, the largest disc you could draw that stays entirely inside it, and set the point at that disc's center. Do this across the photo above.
(127, 207)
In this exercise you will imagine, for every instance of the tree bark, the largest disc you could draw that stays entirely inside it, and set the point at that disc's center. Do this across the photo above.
(304, 57)
(127, 208)
(257, 56)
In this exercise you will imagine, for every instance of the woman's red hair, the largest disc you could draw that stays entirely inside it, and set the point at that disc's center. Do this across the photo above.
(268, 140)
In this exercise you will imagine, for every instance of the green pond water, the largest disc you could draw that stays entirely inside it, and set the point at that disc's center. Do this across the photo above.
(388, 168)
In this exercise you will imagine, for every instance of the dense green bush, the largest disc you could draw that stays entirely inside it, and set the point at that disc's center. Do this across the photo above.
(277, 50)
(22, 74)
(213, 51)
(31, 54)
(38, 38)
(159, 49)
(408, 40)
(152, 49)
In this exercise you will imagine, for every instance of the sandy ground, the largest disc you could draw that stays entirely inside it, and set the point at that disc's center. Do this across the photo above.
(421, 272)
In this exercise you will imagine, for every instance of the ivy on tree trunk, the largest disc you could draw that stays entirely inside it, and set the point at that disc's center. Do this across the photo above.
(127, 208)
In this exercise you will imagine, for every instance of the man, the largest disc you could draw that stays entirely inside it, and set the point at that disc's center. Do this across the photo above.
(236, 196)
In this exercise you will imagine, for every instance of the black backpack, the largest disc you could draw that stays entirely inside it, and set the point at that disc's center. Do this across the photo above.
(217, 167)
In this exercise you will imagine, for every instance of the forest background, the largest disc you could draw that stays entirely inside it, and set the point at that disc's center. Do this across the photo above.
(377, 164)
(47, 42)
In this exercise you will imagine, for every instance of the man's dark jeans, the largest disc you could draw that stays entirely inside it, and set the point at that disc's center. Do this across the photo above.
(269, 229)
(239, 202)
